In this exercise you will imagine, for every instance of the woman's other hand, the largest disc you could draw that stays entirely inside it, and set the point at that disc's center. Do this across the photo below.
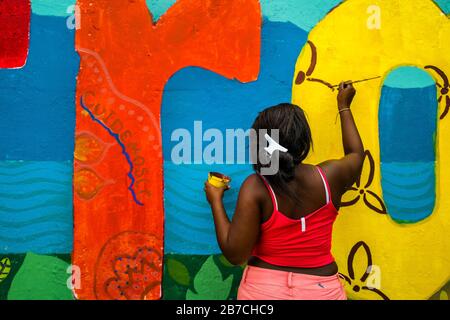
(214, 194)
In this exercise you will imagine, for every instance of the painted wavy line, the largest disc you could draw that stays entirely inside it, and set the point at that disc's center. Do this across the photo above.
(34, 172)
(195, 190)
(428, 192)
(124, 150)
(412, 179)
(33, 181)
(189, 206)
(175, 178)
(406, 185)
(31, 165)
(62, 234)
(180, 195)
(172, 206)
(205, 227)
(204, 169)
(409, 203)
(38, 193)
(200, 217)
(56, 217)
(203, 222)
(393, 208)
(202, 243)
(396, 170)
(24, 164)
(45, 248)
(35, 213)
(404, 190)
(31, 230)
(48, 204)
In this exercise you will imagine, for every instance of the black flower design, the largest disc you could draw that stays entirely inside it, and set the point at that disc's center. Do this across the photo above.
(444, 89)
(360, 284)
(362, 191)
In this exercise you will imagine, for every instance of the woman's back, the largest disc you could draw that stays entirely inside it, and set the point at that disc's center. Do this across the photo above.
(299, 237)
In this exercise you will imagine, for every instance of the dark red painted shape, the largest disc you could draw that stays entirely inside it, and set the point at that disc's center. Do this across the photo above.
(14, 32)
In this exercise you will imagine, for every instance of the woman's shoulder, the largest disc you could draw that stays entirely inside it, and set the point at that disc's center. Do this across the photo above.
(253, 180)
(254, 184)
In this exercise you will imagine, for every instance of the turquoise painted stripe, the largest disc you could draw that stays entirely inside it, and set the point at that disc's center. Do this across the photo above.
(57, 8)
(305, 14)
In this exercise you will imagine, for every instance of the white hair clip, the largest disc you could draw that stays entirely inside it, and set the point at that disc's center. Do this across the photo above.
(273, 146)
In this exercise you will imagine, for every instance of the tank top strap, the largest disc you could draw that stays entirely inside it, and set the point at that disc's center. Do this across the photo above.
(271, 192)
(325, 184)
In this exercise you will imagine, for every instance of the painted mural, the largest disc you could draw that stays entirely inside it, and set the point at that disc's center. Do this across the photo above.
(92, 205)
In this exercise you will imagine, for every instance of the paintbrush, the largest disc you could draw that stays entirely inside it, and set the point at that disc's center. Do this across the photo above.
(357, 81)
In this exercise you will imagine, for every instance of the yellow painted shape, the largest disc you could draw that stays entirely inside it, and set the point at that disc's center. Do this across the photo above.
(414, 259)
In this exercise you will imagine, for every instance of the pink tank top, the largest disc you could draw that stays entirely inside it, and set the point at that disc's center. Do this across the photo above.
(301, 243)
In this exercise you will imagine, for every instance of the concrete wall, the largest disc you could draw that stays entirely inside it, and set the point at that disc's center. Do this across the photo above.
(87, 175)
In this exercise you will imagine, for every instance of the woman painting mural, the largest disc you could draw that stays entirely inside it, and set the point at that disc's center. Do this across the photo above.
(283, 222)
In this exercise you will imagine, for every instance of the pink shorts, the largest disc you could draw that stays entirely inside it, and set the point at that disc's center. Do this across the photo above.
(265, 284)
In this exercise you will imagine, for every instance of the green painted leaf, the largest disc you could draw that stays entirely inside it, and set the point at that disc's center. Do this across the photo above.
(178, 272)
(443, 295)
(41, 278)
(209, 283)
(5, 268)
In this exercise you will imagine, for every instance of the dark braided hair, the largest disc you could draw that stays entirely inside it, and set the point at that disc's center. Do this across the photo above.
(294, 134)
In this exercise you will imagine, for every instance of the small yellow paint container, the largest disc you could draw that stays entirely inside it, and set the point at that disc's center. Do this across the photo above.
(218, 180)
